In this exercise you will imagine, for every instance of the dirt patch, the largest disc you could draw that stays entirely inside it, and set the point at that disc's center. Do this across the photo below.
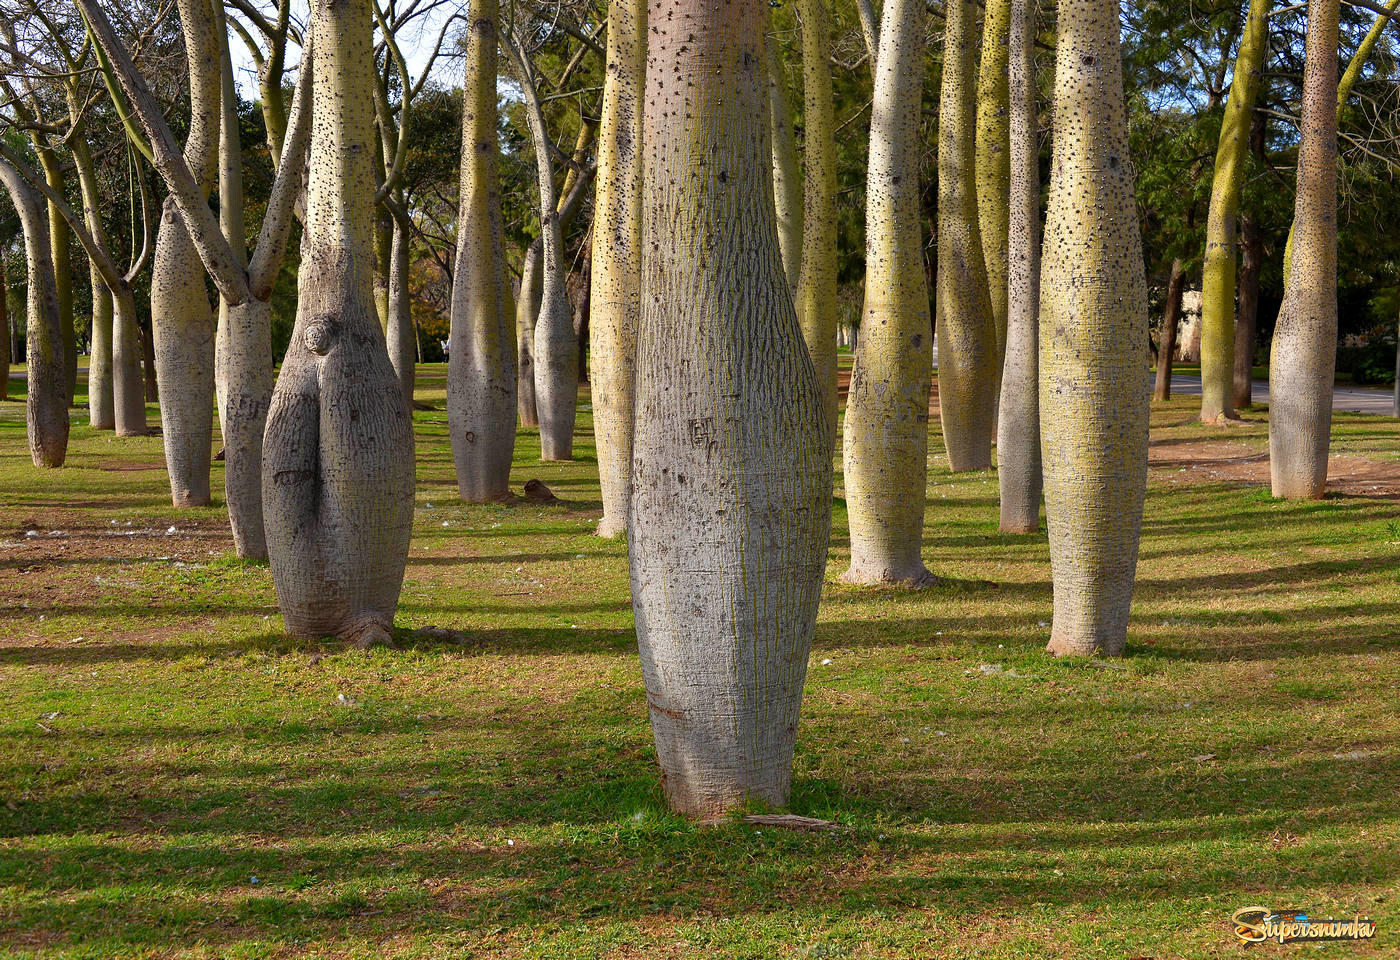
(1228, 461)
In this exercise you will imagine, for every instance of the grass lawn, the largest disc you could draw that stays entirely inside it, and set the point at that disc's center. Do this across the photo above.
(181, 780)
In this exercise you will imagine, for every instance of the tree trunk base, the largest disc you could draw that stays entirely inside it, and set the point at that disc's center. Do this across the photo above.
(367, 631)
(1081, 646)
(610, 529)
(1020, 526)
(915, 576)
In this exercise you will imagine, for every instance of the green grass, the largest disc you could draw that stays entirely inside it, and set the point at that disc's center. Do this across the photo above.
(165, 744)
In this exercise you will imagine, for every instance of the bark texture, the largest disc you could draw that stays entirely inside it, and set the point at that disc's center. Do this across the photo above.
(617, 260)
(481, 365)
(60, 243)
(7, 331)
(1171, 322)
(967, 340)
(403, 349)
(731, 465)
(1018, 426)
(1093, 342)
(1303, 359)
(816, 289)
(1218, 273)
(994, 160)
(101, 412)
(46, 404)
(886, 430)
(338, 465)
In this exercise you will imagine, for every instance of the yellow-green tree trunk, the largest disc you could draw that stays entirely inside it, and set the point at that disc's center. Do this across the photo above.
(616, 292)
(967, 339)
(731, 495)
(886, 429)
(816, 288)
(1218, 272)
(1302, 363)
(1093, 341)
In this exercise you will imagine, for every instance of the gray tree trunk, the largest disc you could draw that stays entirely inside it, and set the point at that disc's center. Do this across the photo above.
(731, 464)
(101, 410)
(1303, 360)
(1018, 427)
(527, 308)
(338, 466)
(1247, 318)
(46, 404)
(399, 333)
(481, 366)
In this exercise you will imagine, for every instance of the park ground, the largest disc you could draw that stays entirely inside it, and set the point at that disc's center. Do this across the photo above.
(178, 779)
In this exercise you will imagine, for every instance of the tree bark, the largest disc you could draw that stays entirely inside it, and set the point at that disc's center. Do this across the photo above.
(787, 179)
(1246, 323)
(338, 466)
(1218, 273)
(61, 240)
(816, 290)
(527, 308)
(1302, 364)
(8, 331)
(1018, 427)
(617, 260)
(46, 403)
(731, 494)
(1171, 321)
(182, 317)
(886, 432)
(967, 340)
(399, 333)
(101, 395)
(993, 162)
(481, 366)
(1093, 342)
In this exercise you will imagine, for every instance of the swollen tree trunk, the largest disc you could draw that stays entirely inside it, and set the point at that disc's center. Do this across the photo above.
(994, 162)
(338, 465)
(182, 318)
(617, 260)
(886, 432)
(46, 404)
(731, 468)
(1093, 342)
(967, 338)
(1218, 273)
(1171, 321)
(527, 308)
(1246, 324)
(1302, 364)
(816, 290)
(787, 182)
(481, 361)
(1018, 427)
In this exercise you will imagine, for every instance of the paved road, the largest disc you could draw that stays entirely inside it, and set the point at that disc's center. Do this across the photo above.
(1356, 399)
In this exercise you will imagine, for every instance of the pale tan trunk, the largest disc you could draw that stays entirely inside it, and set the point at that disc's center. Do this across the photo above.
(101, 410)
(60, 241)
(338, 466)
(993, 160)
(1018, 426)
(967, 337)
(1302, 363)
(617, 260)
(399, 334)
(1093, 342)
(886, 430)
(731, 464)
